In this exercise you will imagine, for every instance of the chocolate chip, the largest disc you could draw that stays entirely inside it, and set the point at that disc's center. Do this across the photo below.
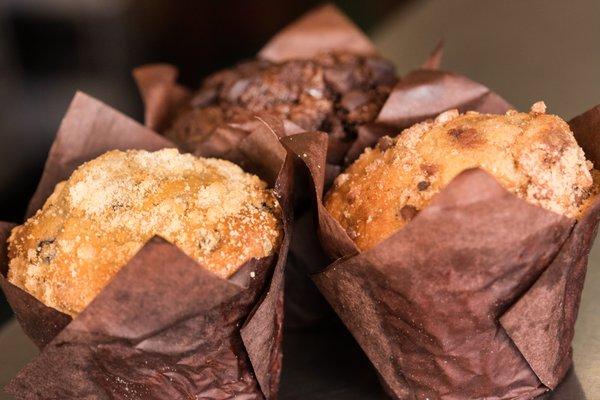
(326, 126)
(466, 136)
(423, 185)
(382, 71)
(354, 99)
(455, 132)
(117, 205)
(351, 196)
(385, 143)
(408, 212)
(46, 251)
(267, 207)
(551, 158)
(339, 79)
(429, 169)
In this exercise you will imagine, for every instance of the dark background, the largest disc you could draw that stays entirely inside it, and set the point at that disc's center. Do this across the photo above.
(50, 49)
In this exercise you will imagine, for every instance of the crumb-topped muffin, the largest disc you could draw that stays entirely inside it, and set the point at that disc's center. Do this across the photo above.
(94, 222)
(533, 155)
(333, 93)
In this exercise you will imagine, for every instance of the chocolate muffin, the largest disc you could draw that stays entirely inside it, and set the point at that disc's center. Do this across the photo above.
(533, 155)
(334, 93)
(94, 222)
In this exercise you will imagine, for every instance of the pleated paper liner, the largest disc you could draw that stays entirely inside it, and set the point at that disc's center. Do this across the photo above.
(164, 327)
(476, 297)
(325, 29)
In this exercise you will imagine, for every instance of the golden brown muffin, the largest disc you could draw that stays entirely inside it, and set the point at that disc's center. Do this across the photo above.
(534, 155)
(97, 220)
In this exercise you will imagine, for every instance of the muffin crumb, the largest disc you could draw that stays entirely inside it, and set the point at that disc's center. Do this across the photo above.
(533, 155)
(538, 108)
(94, 222)
(335, 93)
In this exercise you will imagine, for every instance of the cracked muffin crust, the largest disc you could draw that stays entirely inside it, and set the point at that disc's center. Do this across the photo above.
(533, 155)
(94, 222)
(333, 93)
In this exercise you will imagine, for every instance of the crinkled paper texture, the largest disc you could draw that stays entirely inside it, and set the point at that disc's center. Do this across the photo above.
(164, 327)
(476, 297)
(324, 29)
(425, 93)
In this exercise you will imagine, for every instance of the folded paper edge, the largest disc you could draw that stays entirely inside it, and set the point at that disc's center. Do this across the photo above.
(305, 154)
(72, 120)
(161, 94)
(483, 99)
(434, 60)
(586, 129)
(264, 349)
(77, 101)
(519, 315)
(464, 175)
(284, 45)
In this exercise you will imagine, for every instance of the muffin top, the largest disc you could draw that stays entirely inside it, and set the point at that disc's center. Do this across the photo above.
(97, 220)
(533, 155)
(333, 93)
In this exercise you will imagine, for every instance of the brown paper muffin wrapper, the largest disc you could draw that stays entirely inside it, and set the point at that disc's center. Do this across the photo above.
(324, 29)
(420, 95)
(476, 297)
(164, 327)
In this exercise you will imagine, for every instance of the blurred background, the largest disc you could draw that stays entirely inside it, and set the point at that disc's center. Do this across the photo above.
(524, 50)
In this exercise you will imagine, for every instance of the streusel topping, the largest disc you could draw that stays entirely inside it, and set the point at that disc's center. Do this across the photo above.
(103, 214)
(534, 155)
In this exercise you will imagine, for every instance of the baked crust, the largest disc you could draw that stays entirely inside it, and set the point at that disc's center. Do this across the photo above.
(534, 155)
(94, 222)
(333, 93)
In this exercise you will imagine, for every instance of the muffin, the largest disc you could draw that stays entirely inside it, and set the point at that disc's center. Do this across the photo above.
(97, 220)
(533, 155)
(334, 93)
